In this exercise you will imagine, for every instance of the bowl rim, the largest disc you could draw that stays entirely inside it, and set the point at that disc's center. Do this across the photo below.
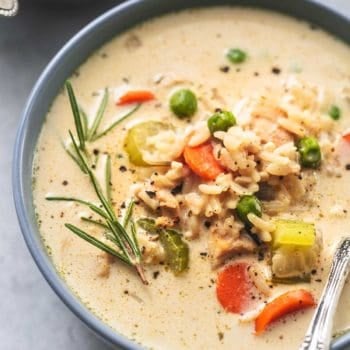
(34, 244)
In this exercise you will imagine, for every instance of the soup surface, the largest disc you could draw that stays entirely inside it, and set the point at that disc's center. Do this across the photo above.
(288, 80)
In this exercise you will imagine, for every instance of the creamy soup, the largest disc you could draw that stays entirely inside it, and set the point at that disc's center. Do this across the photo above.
(245, 118)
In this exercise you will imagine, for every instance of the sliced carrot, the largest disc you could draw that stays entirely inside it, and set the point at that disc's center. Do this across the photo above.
(233, 288)
(284, 304)
(202, 162)
(346, 137)
(135, 96)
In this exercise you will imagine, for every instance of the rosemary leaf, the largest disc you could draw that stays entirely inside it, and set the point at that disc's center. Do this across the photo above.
(97, 243)
(113, 125)
(118, 240)
(128, 214)
(85, 122)
(91, 221)
(76, 160)
(108, 179)
(92, 206)
(134, 237)
(99, 211)
(99, 115)
(76, 115)
(124, 235)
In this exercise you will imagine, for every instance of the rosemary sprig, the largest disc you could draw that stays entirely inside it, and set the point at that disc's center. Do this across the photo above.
(76, 114)
(99, 116)
(113, 125)
(127, 246)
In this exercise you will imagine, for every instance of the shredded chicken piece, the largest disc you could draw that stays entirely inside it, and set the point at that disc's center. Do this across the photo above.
(225, 241)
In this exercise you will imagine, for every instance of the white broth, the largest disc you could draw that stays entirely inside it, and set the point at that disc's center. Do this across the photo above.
(187, 49)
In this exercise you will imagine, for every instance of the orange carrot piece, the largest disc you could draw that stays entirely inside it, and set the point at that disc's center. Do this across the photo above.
(284, 304)
(233, 288)
(202, 162)
(135, 96)
(346, 137)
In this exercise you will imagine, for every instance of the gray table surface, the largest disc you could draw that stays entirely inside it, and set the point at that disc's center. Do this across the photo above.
(31, 315)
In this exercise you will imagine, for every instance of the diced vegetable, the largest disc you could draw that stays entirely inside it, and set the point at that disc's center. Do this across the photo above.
(309, 152)
(236, 55)
(248, 204)
(136, 140)
(334, 112)
(135, 97)
(233, 288)
(346, 137)
(176, 250)
(293, 232)
(284, 304)
(202, 162)
(221, 121)
(294, 251)
(183, 103)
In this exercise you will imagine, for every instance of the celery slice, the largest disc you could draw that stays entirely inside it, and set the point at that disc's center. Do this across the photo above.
(293, 233)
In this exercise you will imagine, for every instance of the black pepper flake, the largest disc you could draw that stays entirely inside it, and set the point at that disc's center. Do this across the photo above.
(207, 223)
(93, 166)
(155, 274)
(276, 70)
(221, 335)
(123, 206)
(313, 272)
(96, 152)
(177, 190)
(65, 183)
(318, 280)
(203, 254)
(218, 110)
(256, 74)
(123, 168)
(347, 167)
(224, 69)
(126, 292)
(151, 194)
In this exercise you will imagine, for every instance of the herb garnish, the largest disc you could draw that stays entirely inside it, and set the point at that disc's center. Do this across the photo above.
(123, 236)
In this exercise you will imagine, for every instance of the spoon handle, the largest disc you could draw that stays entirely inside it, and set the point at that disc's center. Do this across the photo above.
(318, 335)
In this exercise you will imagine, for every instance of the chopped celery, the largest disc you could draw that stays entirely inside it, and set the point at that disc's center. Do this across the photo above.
(293, 233)
(294, 251)
(136, 140)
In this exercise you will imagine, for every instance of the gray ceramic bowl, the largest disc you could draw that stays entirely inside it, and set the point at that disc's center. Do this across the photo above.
(64, 63)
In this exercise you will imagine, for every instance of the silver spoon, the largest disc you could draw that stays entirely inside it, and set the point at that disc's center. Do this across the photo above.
(319, 333)
(8, 8)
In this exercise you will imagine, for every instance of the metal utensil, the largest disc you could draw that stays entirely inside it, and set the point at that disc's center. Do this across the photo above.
(318, 335)
(8, 8)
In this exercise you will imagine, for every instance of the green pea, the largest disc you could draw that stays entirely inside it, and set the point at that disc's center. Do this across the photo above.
(236, 55)
(309, 152)
(183, 103)
(334, 112)
(248, 204)
(221, 121)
